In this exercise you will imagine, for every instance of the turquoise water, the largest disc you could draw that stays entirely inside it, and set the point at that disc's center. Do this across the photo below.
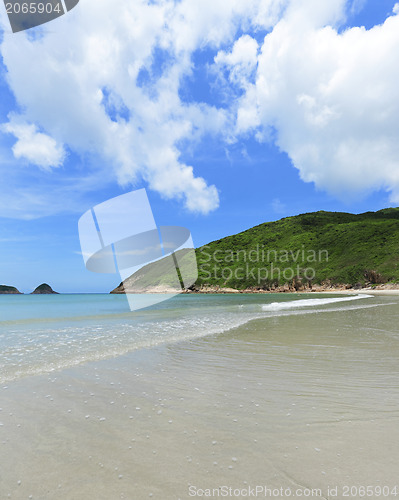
(45, 333)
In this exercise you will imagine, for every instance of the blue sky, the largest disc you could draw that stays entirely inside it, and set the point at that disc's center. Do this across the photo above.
(230, 115)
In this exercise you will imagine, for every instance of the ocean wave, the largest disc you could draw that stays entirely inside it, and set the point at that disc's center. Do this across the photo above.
(34, 351)
(294, 304)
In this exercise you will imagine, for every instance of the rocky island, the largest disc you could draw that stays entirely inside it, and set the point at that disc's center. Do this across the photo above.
(4, 289)
(43, 289)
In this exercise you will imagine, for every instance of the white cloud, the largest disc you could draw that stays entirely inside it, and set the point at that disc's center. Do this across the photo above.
(33, 194)
(105, 82)
(357, 6)
(102, 57)
(330, 99)
(241, 61)
(35, 147)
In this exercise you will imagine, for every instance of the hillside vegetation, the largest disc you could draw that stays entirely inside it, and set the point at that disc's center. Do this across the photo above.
(5, 289)
(320, 247)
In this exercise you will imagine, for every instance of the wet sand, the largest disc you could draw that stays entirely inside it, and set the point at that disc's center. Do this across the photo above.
(303, 401)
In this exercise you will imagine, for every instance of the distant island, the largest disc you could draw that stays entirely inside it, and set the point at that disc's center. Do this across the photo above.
(43, 289)
(5, 289)
(308, 252)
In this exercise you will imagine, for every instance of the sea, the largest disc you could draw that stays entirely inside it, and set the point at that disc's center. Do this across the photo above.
(201, 396)
(46, 333)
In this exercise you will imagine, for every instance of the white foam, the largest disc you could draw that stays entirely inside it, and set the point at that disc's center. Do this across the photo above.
(55, 346)
(294, 304)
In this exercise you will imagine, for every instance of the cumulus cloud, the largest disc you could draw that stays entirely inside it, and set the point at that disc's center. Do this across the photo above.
(241, 61)
(35, 147)
(329, 99)
(106, 81)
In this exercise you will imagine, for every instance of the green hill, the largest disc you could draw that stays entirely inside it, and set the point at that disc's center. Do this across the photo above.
(161, 276)
(320, 247)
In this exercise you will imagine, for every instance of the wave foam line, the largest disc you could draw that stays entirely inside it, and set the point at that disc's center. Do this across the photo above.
(294, 304)
(128, 344)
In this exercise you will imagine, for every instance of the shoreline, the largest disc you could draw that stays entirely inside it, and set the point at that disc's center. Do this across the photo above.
(233, 291)
(293, 287)
(390, 289)
(201, 413)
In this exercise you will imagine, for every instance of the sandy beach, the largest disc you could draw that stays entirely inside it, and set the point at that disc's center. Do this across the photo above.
(304, 401)
(199, 234)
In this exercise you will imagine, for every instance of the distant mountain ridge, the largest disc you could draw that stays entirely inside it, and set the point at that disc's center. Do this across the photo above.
(318, 248)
